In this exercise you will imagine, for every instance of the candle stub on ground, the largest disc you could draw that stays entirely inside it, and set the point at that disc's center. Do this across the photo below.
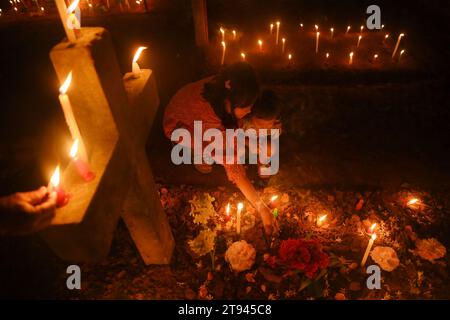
(82, 167)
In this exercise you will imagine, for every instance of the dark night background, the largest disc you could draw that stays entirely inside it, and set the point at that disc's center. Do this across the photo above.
(405, 140)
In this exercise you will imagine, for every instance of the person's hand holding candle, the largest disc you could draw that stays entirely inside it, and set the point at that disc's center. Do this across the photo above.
(27, 212)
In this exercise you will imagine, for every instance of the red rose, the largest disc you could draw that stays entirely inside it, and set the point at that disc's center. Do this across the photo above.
(303, 255)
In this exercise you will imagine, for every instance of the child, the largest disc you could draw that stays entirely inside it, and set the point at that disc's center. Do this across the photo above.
(265, 115)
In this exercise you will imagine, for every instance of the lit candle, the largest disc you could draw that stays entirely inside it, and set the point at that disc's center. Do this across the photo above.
(398, 43)
(332, 32)
(348, 29)
(227, 210)
(316, 27)
(68, 113)
(362, 28)
(372, 229)
(317, 42)
(61, 197)
(260, 44)
(222, 31)
(274, 198)
(234, 34)
(224, 48)
(271, 28)
(413, 203)
(369, 247)
(278, 32)
(62, 10)
(401, 53)
(321, 220)
(327, 55)
(283, 44)
(359, 41)
(72, 19)
(238, 217)
(375, 58)
(301, 25)
(385, 38)
(243, 56)
(351, 58)
(135, 66)
(382, 26)
(80, 165)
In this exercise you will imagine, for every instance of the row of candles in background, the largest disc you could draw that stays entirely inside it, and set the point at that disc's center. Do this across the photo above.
(80, 164)
(17, 6)
(260, 42)
(412, 203)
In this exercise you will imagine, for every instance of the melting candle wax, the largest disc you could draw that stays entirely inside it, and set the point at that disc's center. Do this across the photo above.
(82, 168)
(61, 197)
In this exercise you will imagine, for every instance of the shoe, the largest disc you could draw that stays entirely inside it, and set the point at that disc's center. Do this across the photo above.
(203, 168)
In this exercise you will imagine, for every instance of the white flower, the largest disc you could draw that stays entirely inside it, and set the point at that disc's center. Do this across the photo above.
(430, 249)
(241, 256)
(386, 258)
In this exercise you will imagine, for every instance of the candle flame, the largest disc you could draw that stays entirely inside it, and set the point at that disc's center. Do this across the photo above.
(222, 31)
(243, 55)
(73, 6)
(327, 55)
(275, 197)
(402, 52)
(322, 218)
(290, 56)
(374, 236)
(348, 28)
(240, 206)
(74, 149)
(375, 56)
(332, 29)
(227, 210)
(386, 36)
(372, 227)
(224, 45)
(55, 179)
(362, 28)
(65, 86)
(234, 33)
(301, 25)
(402, 35)
(278, 23)
(284, 40)
(138, 53)
(413, 202)
(260, 43)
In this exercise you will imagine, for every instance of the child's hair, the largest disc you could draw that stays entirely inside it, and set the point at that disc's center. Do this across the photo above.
(239, 84)
(268, 106)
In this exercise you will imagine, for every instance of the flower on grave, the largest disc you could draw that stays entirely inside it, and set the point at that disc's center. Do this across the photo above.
(241, 256)
(386, 258)
(204, 243)
(302, 255)
(202, 208)
(430, 249)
